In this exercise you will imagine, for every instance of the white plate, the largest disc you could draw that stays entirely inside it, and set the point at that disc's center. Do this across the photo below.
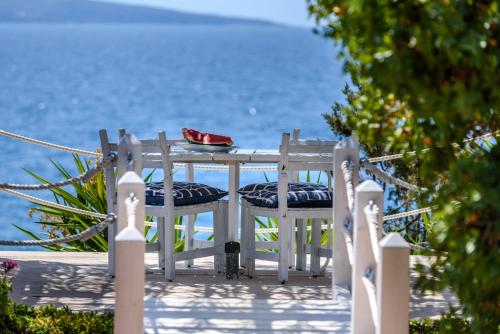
(205, 148)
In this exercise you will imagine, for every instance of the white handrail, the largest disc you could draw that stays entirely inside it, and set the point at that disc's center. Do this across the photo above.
(345, 178)
(348, 242)
(372, 298)
(371, 211)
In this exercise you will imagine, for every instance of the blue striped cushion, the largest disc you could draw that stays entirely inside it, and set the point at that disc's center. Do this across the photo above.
(185, 193)
(300, 195)
(259, 186)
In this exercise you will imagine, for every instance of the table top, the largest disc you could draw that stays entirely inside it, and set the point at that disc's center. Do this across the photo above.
(241, 156)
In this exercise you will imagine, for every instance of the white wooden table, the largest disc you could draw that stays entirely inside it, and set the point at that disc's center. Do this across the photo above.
(233, 159)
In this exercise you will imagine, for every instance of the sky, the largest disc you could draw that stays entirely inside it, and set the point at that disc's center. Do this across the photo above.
(290, 12)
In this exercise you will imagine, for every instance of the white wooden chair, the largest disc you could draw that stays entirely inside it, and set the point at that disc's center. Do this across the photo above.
(295, 155)
(157, 154)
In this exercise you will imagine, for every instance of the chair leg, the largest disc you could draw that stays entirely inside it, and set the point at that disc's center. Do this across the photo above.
(315, 246)
(160, 225)
(220, 235)
(169, 248)
(284, 246)
(189, 238)
(250, 244)
(243, 239)
(301, 260)
(291, 251)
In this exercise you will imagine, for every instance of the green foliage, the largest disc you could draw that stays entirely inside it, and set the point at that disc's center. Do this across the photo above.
(433, 55)
(449, 323)
(20, 318)
(5, 288)
(55, 222)
(397, 199)
(427, 73)
(52, 320)
(90, 196)
(471, 241)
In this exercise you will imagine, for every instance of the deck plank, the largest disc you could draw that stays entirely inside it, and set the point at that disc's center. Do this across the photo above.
(166, 315)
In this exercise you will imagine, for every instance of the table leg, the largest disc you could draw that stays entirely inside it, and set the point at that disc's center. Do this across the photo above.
(189, 231)
(234, 183)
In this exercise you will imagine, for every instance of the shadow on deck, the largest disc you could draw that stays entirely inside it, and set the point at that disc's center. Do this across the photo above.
(198, 301)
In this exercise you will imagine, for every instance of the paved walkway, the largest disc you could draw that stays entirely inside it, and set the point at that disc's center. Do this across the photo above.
(197, 302)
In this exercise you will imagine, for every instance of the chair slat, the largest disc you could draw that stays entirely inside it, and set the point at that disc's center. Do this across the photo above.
(312, 166)
(312, 148)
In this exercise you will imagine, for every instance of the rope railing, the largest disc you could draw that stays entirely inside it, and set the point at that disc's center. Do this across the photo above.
(347, 170)
(51, 145)
(390, 157)
(224, 167)
(53, 205)
(84, 177)
(407, 214)
(396, 156)
(385, 177)
(84, 235)
(371, 212)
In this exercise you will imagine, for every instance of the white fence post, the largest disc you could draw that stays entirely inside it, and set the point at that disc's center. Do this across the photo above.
(341, 268)
(130, 246)
(129, 155)
(393, 290)
(361, 318)
(111, 200)
(129, 159)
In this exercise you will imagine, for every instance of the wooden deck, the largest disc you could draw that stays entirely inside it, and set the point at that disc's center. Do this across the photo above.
(197, 302)
(248, 316)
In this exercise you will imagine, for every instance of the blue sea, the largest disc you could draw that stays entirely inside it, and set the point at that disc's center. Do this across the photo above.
(62, 83)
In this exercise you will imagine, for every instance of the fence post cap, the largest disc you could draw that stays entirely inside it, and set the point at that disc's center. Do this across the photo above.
(351, 142)
(130, 177)
(393, 240)
(354, 138)
(369, 186)
(129, 138)
(129, 233)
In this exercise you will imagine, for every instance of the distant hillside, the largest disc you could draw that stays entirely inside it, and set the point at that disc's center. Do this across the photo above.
(87, 11)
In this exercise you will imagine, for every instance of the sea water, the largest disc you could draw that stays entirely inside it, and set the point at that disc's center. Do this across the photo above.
(62, 83)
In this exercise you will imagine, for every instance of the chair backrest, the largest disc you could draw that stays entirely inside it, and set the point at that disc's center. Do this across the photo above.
(155, 154)
(313, 155)
(298, 154)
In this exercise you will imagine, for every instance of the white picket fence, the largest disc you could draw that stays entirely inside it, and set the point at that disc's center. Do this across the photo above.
(375, 269)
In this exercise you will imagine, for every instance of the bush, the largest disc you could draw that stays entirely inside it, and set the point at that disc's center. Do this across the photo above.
(20, 318)
(426, 84)
(53, 320)
(448, 323)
